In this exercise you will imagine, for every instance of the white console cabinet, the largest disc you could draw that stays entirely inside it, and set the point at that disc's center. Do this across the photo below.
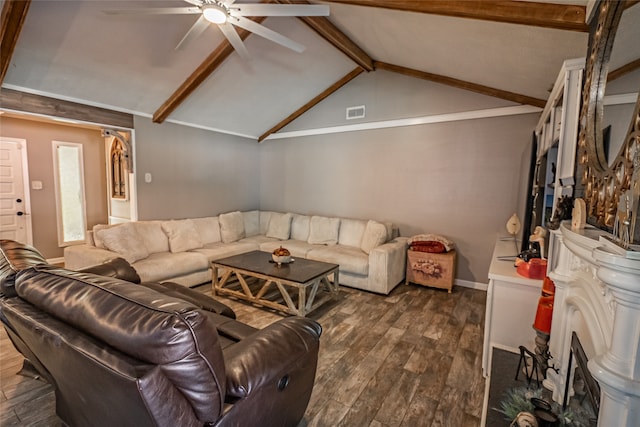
(512, 301)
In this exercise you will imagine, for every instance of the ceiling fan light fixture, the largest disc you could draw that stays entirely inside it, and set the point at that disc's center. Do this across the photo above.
(214, 13)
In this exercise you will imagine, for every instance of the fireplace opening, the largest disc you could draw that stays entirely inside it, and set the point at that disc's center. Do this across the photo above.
(586, 390)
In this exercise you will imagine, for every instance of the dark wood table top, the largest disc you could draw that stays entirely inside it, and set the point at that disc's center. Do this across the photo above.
(300, 270)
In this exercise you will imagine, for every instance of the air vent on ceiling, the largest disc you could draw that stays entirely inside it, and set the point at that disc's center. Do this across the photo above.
(355, 112)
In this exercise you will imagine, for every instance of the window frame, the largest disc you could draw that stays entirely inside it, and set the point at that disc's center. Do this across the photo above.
(58, 193)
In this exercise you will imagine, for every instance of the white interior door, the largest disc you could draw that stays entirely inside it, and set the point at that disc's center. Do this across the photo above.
(15, 218)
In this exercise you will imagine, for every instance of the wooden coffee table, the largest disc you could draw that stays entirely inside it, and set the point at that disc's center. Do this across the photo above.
(261, 281)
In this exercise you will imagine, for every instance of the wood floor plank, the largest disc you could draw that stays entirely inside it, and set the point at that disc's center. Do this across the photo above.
(395, 404)
(412, 358)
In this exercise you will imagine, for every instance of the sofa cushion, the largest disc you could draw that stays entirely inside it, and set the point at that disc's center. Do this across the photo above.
(208, 228)
(97, 241)
(265, 217)
(259, 239)
(153, 237)
(351, 260)
(300, 227)
(164, 266)
(182, 235)
(351, 231)
(124, 240)
(251, 223)
(297, 248)
(323, 230)
(375, 234)
(214, 251)
(231, 226)
(279, 226)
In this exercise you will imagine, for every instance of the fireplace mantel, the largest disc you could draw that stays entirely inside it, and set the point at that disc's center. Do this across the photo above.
(598, 297)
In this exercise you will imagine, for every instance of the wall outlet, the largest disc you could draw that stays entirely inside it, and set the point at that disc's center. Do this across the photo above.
(148, 178)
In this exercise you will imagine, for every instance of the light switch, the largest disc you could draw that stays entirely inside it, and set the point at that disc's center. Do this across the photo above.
(36, 185)
(147, 177)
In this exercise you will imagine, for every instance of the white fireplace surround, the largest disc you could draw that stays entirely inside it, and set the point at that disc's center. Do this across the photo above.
(598, 297)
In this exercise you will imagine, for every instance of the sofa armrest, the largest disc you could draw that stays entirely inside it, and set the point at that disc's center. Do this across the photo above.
(387, 265)
(268, 356)
(78, 257)
(118, 268)
(197, 298)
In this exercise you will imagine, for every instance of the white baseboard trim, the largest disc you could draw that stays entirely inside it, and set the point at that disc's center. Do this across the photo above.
(56, 260)
(472, 285)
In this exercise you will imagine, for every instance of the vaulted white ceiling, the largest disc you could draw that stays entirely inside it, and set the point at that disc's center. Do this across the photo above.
(71, 50)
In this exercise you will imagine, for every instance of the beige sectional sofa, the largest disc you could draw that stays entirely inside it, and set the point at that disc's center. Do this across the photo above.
(371, 255)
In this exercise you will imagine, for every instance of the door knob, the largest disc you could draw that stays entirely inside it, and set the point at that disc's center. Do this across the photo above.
(18, 200)
(19, 213)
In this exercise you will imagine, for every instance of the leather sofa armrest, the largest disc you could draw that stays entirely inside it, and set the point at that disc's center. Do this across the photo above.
(77, 257)
(118, 268)
(15, 256)
(197, 298)
(266, 357)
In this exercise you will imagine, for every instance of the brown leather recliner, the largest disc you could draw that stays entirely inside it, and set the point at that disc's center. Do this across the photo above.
(118, 353)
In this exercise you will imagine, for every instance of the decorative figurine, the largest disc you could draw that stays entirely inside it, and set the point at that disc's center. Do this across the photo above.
(562, 212)
(513, 227)
(578, 214)
(538, 236)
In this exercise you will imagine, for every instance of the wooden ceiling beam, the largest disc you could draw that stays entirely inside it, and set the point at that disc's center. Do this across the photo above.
(23, 102)
(199, 75)
(333, 35)
(549, 15)
(13, 15)
(625, 69)
(461, 84)
(306, 107)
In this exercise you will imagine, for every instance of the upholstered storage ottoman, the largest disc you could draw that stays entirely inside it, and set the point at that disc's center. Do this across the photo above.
(431, 269)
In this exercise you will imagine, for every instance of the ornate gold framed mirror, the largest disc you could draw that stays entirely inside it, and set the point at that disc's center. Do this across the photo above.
(609, 178)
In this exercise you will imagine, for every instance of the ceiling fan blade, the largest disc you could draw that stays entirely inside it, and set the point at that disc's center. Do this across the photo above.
(154, 11)
(267, 33)
(262, 9)
(196, 29)
(234, 39)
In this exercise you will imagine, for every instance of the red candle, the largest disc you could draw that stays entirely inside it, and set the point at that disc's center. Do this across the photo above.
(548, 287)
(544, 314)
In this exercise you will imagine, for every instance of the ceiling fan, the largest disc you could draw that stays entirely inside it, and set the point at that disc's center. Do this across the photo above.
(227, 13)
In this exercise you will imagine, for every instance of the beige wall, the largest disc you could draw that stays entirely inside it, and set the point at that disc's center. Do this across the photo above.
(40, 158)
(194, 172)
(462, 179)
(459, 179)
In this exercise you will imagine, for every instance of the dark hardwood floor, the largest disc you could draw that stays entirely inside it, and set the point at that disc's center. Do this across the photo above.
(412, 358)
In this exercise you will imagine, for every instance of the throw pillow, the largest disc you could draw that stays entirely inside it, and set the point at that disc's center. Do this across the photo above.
(153, 236)
(208, 228)
(124, 240)
(231, 226)
(375, 234)
(96, 236)
(251, 223)
(300, 227)
(279, 226)
(182, 235)
(323, 230)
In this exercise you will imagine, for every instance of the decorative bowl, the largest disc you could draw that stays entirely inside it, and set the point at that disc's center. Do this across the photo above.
(282, 259)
